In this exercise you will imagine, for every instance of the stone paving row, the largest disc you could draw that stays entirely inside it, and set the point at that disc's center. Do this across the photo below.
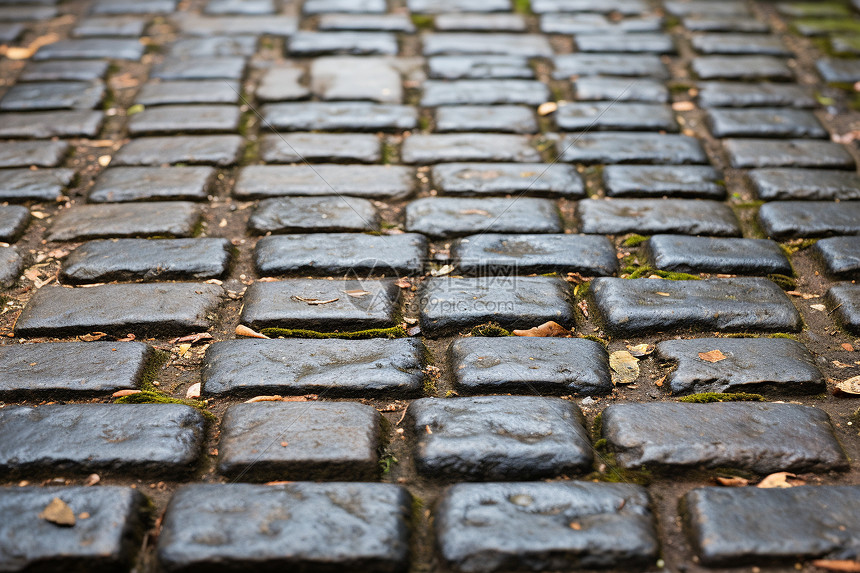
(261, 259)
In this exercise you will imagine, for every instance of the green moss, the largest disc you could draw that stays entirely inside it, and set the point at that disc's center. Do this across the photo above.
(424, 123)
(386, 462)
(430, 386)
(522, 6)
(150, 397)
(825, 26)
(709, 397)
(597, 428)
(749, 204)
(581, 290)
(490, 329)
(389, 153)
(602, 341)
(152, 369)
(109, 99)
(393, 332)
(601, 444)
(251, 152)
(423, 21)
(782, 335)
(246, 122)
(785, 282)
(634, 272)
(612, 473)
(634, 240)
(798, 245)
(136, 108)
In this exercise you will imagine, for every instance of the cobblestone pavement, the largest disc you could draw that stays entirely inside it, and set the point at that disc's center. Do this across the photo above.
(674, 181)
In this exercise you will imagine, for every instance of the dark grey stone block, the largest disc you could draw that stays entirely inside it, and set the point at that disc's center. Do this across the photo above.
(480, 22)
(447, 217)
(751, 153)
(316, 441)
(814, 184)
(736, 44)
(841, 256)
(764, 122)
(464, 43)
(492, 254)
(451, 305)
(441, 147)
(776, 365)
(813, 9)
(10, 31)
(48, 124)
(173, 218)
(838, 70)
(91, 49)
(26, 153)
(633, 43)
(478, 179)
(105, 541)
(339, 116)
(182, 92)
(500, 118)
(23, 13)
(625, 65)
(742, 94)
(741, 68)
(269, 24)
(359, 78)
(144, 309)
(529, 365)
(479, 67)
(366, 22)
(564, 525)
(218, 150)
(344, 6)
(122, 184)
(692, 181)
(591, 23)
(610, 115)
(358, 368)
(844, 301)
(498, 438)
(305, 44)
(484, 91)
(457, 6)
(282, 83)
(392, 182)
(301, 526)
(10, 266)
(624, 7)
(709, 255)
(330, 147)
(118, 439)
(344, 254)
(314, 214)
(147, 260)
(213, 46)
(172, 119)
(123, 26)
(280, 304)
(687, 7)
(621, 147)
(38, 185)
(52, 95)
(597, 88)
(723, 23)
(65, 70)
(639, 306)
(240, 7)
(790, 219)
(651, 216)
(744, 435)
(133, 6)
(13, 221)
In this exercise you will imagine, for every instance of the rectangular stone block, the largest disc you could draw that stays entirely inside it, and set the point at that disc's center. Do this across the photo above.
(327, 147)
(844, 300)
(451, 217)
(612, 115)
(437, 148)
(623, 65)
(717, 255)
(124, 184)
(484, 92)
(464, 43)
(175, 119)
(173, 218)
(841, 256)
(623, 147)
(743, 94)
(534, 179)
(339, 116)
(30, 185)
(27, 153)
(751, 153)
(790, 219)
(764, 122)
(693, 181)
(48, 124)
(392, 182)
(314, 214)
(479, 67)
(649, 216)
(814, 184)
(218, 150)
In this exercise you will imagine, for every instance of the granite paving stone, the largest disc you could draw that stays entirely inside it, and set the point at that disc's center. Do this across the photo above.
(344, 6)
(633, 43)
(622, 147)
(147, 260)
(136, 440)
(741, 68)
(302, 526)
(133, 6)
(10, 31)
(814, 184)
(64, 70)
(444, 147)
(372, 181)
(450, 305)
(743, 435)
(240, 7)
(651, 216)
(52, 95)
(170, 119)
(213, 46)
(624, 65)
(445, 6)
(13, 221)
(163, 309)
(122, 184)
(366, 22)
(280, 304)
(686, 7)
(841, 256)
(38, 153)
(269, 24)
(597, 88)
(356, 78)
(314, 214)
(328, 147)
(123, 26)
(500, 118)
(452, 217)
(812, 9)
(845, 45)
(480, 179)
(700, 182)
(684, 254)
(752, 153)
(753, 44)
(774, 365)
(490, 253)
(218, 150)
(839, 70)
(71, 369)
(611, 115)
(624, 7)
(733, 526)
(91, 49)
(317, 441)
(479, 67)
(529, 365)
(48, 124)
(182, 92)
(339, 116)
(465, 43)
(628, 307)
(723, 23)
(10, 266)
(106, 541)
(764, 122)
(480, 23)
(592, 23)
(844, 301)
(742, 94)
(790, 219)
(339, 368)
(282, 83)
(488, 91)
(498, 438)
(304, 44)
(562, 525)
(26, 13)
(174, 218)
(331, 254)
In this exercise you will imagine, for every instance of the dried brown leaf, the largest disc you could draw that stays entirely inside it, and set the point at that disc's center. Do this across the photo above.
(848, 388)
(93, 336)
(733, 481)
(848, 347)
(357, 293)
(193, 391)
(192, 338)
(838, 565)
(639, 350)
(242, 330)
(121, 393)
(712, 356)
(546, 329)
(58, 512)
(403, 283)
(625, 367)
(780, 480)
(547, 108)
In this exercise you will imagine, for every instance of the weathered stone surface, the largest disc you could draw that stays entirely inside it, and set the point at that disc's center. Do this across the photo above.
(498, 438)
(182, 92)
(362, 368)
(65, 70)
(280, 304)
(709, 255)
(366, 22)
(541, 179)
(741, 68)
(651, 216)
(457, 6)
(240, 7)
(353, 78)
(686, 7)
(213, 46)
(156, 309)
(723, 23)
(125, 26)
(626, 65)
(591, 23)
(814, 184)
(147, 259)
(120, 184)
(105, 541)
(838, 70)
(479, 67)
(219, 150)
(633, 43)
(174, 218)
(310, 526)
(322, 441)
(10, 266)
(611, 115)
(844, 300)
(692, 181)
(338, 116)
(777, 365)
(733, 526)
(450, 305)
(269, 24)
(764, 122)
(744, 435)
(789, 219)
(91, 49)
(10, 31)
(480, 23)
(529, 365)
(639, 306)
(501, 118)
(491, 254)
(121, 439)
(463, 43)
(757, 44)
(742, 94)
(185, 119)
(626, 7)
(485, 528)
(47, 124)
(791, 153)
(25, 13)
(26, 153)
(332, 254)
(371, 181)
(485, 91)
(282, 83)
(305, 44)
(309, 214)
(841, 256)
(133, 6)
(344, 6)
(447, 217)
(598, 88)
(330, 147)
(52, 95)
(13, 221)
(440, 147)
(622, 147)
(38, 185)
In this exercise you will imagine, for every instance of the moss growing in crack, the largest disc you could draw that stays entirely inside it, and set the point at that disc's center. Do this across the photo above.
(393, 332)
(797, 245)
(389, 153)
(634, 272)
(430, 387)
(523, 6)
(424, 123)
(151, 370)
(709, 397)
(581, 290)
(597, 428)
(489, 329)
(423, 21)
(251, 152)
(602, 341)
(785, 282)
(386, 462)
(634, 240)
(612, 473)
(151, 397)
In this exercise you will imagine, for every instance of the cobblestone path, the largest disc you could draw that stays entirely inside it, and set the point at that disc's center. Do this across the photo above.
(261, 261)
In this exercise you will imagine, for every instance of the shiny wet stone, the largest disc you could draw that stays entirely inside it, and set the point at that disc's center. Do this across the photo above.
(480, 179)
(464, 43)
(480, 23)
(133, 6)
(528, 365)
(773, 365)
(790, 219)
(218, 150)
(499, 118)
(344, 254)
(629, 307)
(52, 95)
(633, 43)
(117, 439)
(10, 266)
(691, 181)
(92, 49)
(479, 67)
(841, 256)
(596, 88)
(366, 22)
(651, 216)
(293, 366)
(357, 78)
(742, 435)
(371, 181)
(591, 23)
(611, 115)
(171, 119)
(236, 25)
(624, 65)
(741, 68)
(304, 44)
(839, 70)
(686, 7)
(451, 305)
(626, 7)
(38, 185)
(317, 441)
(452, 217)
(182, 92)
(10, 31)
(437, 148)
(282, 83)
(13, 221)
(240, 7)
(213, 46)
(314, 214)
(121, 184)
(747, 153)
(339, 116)
(764, 122)
(622, 147)
(328, 147)
(26, 153)
(95, 26)
(344, 7)
(64, 70)
(221, 68)
(489, 91)
(148, 260)
(753, 44)
(742, 94)
(280, 304)
(457, 6)
(173, 218)
(844, 301)
(813, 184)
(683, 254)
(723, 23)
(47, 124)
(498, 438)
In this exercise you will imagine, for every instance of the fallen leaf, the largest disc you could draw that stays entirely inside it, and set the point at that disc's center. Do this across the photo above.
(92, 480)
(313, 301)
(277, 398)
(357, 293)
(192, 338)
(546, 329)
(850, 387)
(638, 350)
(780, 480)
(193, 391)
(712, 356)
(733, 481)
(104, 160)
(583, 307)
(93, 336)
(403, 283)
(242, 330)
(658, 292)
(277, 482)
(127, 338)
(121, 393)
(58, 512)
(475, 212)
(683, 106)
(84, 515)
(547, 108)
(576, 278)
(838, 364)
(847, 347)
(818, 307)
(837, 564)
(183, 349)
(576, 526)
(625, 367)
(442, 271)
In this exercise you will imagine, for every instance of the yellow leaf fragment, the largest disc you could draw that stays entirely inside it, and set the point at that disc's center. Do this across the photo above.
(712, 356)
(58, 512)
(625, 367)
